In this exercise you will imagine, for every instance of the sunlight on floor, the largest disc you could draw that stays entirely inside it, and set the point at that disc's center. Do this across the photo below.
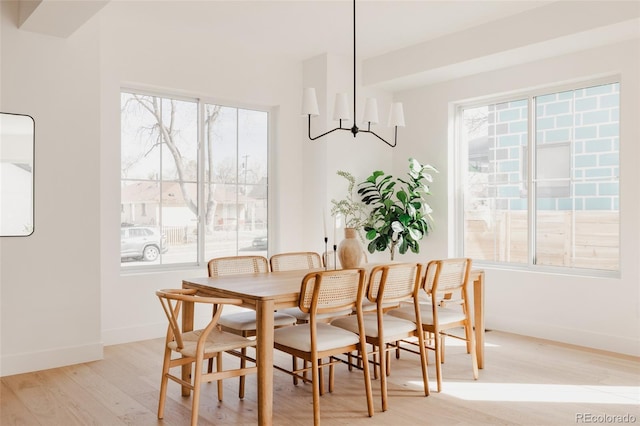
(525, 392)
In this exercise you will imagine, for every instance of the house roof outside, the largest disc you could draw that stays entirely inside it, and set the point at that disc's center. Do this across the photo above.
(149, 192)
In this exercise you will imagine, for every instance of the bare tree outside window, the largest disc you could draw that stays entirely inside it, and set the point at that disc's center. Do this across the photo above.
(160, 176)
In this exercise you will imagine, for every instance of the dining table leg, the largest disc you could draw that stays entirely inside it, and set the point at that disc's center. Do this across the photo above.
(264, 358)
(478, 316)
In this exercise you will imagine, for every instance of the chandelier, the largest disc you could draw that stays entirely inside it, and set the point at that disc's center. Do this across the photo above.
(341, 108)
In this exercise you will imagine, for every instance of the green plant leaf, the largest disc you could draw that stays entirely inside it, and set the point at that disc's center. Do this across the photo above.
(411, 209)
(415, 234)
(398, 208)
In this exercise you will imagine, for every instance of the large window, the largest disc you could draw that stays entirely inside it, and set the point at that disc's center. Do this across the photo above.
(193, 180)
(540, 179)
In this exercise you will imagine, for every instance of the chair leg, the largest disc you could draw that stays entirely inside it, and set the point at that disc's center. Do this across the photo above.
(331, 379)
(375, 363)
(388, 360)
(219, 368)
(305, 366)
(320, 377)
(367, 378)
(442, 349)
(423, 361)
(315, 376)
(163, 382)
(383, 375)
(472, 345)
(468, 332)
(243, 364)
(294, 368)
(195, 403)
(438, 351)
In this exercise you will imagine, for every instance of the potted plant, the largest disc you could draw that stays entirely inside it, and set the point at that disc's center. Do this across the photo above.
(354, 212)
(355, 215)
(400, 215)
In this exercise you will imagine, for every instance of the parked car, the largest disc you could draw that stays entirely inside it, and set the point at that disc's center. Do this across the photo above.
(260, 243)
(142, 242)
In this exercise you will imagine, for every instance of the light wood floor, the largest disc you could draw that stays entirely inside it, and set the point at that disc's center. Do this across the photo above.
(525, 382)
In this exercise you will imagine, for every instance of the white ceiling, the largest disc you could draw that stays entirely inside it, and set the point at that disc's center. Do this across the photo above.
(297, 30)
(305, 28)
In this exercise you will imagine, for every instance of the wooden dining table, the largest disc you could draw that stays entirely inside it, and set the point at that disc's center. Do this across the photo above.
(267, 292)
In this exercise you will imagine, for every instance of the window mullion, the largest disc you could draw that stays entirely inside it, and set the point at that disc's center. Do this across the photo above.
(160, 176)
(531, 181)
(237, 182)
(201, 184)
(461, 181)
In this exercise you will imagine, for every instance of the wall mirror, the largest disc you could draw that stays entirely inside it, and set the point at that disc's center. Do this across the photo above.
(17, 141)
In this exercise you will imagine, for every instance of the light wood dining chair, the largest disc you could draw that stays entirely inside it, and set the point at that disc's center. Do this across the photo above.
(295, 261)
(233, 265)
(194, 347)
(446, 284)
(390, 284)
(243, 323)
(326, 292)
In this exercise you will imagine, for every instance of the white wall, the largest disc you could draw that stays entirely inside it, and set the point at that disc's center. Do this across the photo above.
(600, 313)
(50, 281)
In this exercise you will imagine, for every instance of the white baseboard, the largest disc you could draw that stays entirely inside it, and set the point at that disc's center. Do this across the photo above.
(580, 337)
(50, 358)
(133, 334)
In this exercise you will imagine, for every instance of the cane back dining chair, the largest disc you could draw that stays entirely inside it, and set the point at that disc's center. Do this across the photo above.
(446, 283)
(243, 323)
(194, 347)
(390, 284)
(324, 292)
(297, 261)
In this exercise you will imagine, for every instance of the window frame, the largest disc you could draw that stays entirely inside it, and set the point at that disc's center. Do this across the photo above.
(459, 152)
(201, 158)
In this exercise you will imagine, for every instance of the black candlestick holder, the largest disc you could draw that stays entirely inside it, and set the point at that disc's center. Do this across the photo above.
(326, 253)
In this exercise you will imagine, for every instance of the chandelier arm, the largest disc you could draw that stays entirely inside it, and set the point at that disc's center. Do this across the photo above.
(395, 137)
(325, 133)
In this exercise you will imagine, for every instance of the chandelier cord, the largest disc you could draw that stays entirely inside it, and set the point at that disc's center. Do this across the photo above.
(354, 65)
